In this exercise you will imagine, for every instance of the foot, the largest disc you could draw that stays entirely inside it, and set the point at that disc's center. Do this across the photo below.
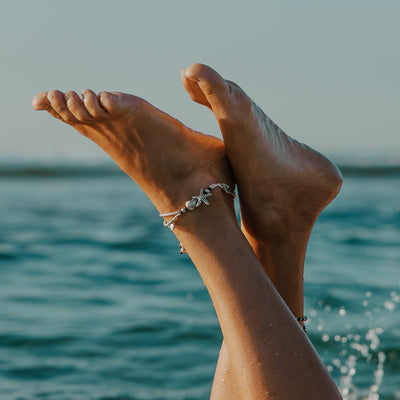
(169, 161)
(283, 184)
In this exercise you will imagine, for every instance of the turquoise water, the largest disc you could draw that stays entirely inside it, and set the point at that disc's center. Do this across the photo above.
(96, 303)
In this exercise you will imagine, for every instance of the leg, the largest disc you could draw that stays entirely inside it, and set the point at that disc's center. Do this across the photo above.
(170, 162)
(283, 186)
(269, 354)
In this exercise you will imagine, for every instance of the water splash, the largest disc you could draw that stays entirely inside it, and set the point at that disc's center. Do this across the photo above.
(358, 352)
(349, 358)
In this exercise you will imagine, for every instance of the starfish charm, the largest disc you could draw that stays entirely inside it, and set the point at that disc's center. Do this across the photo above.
(202, 198)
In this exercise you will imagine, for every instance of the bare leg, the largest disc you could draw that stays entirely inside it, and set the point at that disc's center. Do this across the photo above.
(270, 356)
(283, 187)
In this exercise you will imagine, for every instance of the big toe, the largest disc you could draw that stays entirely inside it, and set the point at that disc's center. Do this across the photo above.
(206, 75)
(206, 86)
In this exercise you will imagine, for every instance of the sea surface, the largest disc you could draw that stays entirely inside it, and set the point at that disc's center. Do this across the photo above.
(96, 303)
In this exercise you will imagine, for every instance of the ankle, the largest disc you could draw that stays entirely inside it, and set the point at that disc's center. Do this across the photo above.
(208, 197)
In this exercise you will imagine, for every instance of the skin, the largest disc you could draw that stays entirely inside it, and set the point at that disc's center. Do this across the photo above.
(136, 135)
(269, 354)
(283, 187)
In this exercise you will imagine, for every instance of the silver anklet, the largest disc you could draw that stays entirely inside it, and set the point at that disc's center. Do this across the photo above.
(303, 319)
(194, 203)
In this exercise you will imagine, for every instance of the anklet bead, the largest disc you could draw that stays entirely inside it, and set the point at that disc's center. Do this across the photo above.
(192, 204)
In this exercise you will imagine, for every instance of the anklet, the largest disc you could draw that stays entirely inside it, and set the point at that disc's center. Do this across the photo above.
(302, 319)
(194, 203)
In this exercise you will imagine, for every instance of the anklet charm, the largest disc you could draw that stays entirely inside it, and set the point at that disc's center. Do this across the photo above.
(194, 203)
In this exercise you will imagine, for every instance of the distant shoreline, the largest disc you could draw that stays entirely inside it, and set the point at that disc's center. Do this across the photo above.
(49, 170)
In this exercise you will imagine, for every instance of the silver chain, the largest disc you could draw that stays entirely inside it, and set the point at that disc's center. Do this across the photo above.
(193, 204)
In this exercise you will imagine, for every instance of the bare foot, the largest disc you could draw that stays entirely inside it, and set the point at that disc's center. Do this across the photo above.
(283, 184)
(169, 161)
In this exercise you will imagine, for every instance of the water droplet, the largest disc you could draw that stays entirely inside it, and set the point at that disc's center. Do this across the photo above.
(345, 391)
(336, 362)
(325, 338)
(389, 305)
(276, 353)
(395, 297)
(313, 313)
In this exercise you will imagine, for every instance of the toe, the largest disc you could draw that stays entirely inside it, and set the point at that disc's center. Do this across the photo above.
(108, 101)
(205, 75)
(92, 104)
(207, 87)
(58, 103)
(117, 103)
(40, 101)
(195, 92)
(77, 108)
(209, 81)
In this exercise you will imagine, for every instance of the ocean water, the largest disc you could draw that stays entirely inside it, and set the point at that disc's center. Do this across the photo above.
(96, 304)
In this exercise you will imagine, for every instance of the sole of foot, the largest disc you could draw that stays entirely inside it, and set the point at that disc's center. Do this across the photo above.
(283, 184)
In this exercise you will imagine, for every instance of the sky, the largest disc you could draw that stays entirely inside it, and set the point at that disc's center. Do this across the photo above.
(326, 71)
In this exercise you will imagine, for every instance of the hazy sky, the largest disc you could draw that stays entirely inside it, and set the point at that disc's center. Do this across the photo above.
(326, 71)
